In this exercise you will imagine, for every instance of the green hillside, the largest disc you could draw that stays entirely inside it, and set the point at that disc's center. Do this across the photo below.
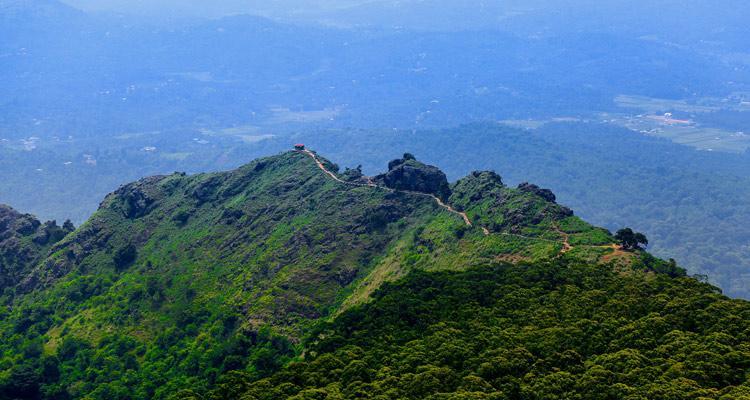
(186, 286)
(560, 330)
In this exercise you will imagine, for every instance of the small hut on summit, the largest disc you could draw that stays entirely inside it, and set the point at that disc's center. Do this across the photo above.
(299, 146)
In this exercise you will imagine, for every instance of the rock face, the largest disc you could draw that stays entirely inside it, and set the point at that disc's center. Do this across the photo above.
(409, 174)
(497, 207)
(476, 187)
(543, 193)
(23, 242)
(136, 198)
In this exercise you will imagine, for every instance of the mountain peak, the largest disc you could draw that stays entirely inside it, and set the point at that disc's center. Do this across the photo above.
(409, 174)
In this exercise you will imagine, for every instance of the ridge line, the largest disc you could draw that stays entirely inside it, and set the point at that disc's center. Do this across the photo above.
(440, 203)
(565, 248)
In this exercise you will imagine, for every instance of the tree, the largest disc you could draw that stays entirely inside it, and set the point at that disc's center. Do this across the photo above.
(631, 240)
(124, 256)
(23, 383)
(68, 226)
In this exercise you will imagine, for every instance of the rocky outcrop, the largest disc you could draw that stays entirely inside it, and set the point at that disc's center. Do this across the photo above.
(479, 185)
(409, 174)
(546, 194)
(24, 240)
(497, 207)
(134, 200)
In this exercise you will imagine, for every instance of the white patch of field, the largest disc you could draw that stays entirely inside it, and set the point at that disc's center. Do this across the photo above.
(285, 115)
(537, 123)
(656, 119)
(246, 133)
(175, 156)
(523, 123)
(687, 133)
(30, 143)
(232, 131)
(135, 135)
(255, 138)
(199, 76)
(654, 106)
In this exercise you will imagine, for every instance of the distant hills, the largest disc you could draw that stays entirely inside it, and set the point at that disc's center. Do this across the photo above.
(666, 19)
(92, 74)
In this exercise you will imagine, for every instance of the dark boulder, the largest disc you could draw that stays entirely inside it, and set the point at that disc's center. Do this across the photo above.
(354, 175)
(546, 194)
(409, 174)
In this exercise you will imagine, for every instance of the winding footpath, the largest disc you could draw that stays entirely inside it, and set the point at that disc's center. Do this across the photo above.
(566, 239)
(332, 175)
(566, 247)
(373, 185)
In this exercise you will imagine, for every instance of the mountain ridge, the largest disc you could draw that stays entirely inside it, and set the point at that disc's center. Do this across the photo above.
(232, 271)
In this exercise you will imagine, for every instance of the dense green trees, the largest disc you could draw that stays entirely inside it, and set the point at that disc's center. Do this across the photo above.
(544, 331)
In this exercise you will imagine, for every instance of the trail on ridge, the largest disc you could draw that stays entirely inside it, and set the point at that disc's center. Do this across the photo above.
(566, 240)
(566, 246)
(448, 208)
